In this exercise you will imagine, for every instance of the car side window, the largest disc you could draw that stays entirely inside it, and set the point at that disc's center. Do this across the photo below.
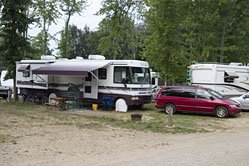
(170, 92)
(179, 92)
(187, 93)
(202, 94)
(246, 96)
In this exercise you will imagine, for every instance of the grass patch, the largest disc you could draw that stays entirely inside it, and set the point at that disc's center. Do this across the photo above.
(154, 120)
(8, 139)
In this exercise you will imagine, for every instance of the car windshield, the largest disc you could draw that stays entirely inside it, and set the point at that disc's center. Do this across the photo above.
(216, 94)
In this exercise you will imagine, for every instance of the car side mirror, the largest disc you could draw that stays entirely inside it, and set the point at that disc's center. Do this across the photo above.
(211, 98)
(244, 97)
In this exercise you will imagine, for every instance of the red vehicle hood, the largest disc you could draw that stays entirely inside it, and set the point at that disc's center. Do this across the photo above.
(231, 102)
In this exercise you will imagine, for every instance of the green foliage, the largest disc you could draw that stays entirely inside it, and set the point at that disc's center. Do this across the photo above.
(14, 23)
(37, 44)
(119, 41)
(69, 7)
(82, 42)
(47, 12)
(183, 31)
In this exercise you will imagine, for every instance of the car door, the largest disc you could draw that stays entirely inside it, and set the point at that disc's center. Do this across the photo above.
(186, 99)
(244, 101)
(204, 101)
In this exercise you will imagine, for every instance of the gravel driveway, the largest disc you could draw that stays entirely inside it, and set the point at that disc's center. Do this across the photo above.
(41, 144)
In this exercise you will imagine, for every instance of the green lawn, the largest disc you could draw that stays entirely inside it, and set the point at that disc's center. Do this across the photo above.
(153, 120)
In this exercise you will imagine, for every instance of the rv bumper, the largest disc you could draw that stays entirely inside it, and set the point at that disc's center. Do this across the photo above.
(138, 100)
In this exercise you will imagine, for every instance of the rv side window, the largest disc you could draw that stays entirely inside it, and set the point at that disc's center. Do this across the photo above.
(102, 74)
(153, 81)
(121, 73)
(88, 89)
(89, 77)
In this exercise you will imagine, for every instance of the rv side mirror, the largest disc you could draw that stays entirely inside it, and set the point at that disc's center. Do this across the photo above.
(211, 98)
(124, 81)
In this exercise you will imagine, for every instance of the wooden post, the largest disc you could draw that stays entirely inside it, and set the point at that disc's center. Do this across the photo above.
(170, 118)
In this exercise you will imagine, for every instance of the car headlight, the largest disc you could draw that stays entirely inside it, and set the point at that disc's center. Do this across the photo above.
(232, 106)
(134, 98)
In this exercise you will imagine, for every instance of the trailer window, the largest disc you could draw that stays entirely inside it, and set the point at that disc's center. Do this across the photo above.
(230, 76)
(26, 74)
(102, 74)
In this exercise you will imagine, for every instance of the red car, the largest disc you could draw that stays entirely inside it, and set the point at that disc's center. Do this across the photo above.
(195, 99)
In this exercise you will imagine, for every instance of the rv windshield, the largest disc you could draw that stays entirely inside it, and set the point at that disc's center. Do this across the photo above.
(216, 94)
(140, 75)
(132, 75)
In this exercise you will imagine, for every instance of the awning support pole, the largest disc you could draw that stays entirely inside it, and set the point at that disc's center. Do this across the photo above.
(100, 81)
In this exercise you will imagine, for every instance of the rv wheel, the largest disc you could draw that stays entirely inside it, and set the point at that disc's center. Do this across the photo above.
(121, 106)
(51, 95)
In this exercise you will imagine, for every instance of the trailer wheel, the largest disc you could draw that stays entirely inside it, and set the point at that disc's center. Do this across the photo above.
(121, 105)
(51, 95)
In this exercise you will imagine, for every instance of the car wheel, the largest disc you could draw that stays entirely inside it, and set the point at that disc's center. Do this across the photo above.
(169, 107)
(221, 112)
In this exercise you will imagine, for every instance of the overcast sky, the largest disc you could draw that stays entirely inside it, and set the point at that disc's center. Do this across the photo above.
(87, 17)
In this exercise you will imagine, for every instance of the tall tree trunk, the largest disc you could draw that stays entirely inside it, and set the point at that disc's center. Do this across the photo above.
(15, 89)
(113, 50)
(66, 35)
(224, 31)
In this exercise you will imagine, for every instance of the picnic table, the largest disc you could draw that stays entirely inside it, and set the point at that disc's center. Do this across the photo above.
(59, 102)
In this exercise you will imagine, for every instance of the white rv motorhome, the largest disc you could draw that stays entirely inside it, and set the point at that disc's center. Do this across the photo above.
(126, 82)
(228, 79)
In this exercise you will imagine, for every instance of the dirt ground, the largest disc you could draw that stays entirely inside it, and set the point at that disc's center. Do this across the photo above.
(32, 142)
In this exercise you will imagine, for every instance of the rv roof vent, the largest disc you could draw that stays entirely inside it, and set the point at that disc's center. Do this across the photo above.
(96, 57)
(79, 58)
(236, 64)
(47, 57)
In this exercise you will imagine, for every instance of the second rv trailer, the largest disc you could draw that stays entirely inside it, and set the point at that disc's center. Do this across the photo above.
(228, 79)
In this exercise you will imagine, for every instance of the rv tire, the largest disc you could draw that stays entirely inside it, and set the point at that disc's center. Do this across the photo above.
(121, 105)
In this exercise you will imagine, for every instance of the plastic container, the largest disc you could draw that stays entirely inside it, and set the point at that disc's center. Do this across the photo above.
(95, 107)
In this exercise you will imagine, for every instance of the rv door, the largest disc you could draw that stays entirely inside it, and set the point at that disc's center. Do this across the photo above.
(91, 86)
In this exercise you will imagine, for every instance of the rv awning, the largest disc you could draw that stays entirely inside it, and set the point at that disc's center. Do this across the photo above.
(231, 74)
(23, 67)
(70, 68)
